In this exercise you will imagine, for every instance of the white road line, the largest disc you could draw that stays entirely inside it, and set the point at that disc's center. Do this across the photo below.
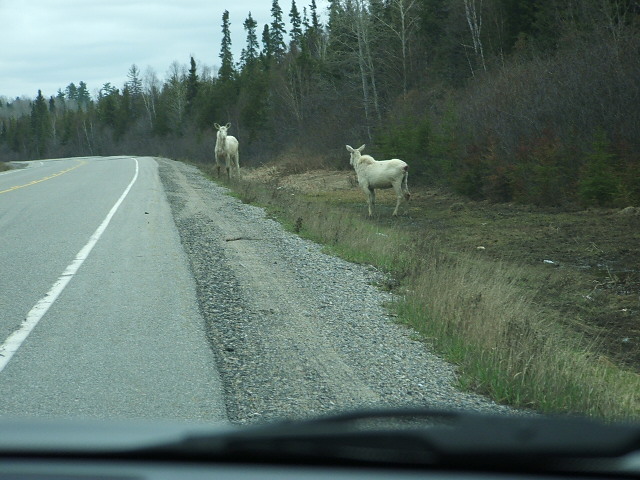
(15, 340)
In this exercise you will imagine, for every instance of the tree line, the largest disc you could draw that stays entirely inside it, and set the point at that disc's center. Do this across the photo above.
(534, 101)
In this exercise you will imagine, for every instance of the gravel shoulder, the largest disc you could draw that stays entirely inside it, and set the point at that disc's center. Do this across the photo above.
(296, 332)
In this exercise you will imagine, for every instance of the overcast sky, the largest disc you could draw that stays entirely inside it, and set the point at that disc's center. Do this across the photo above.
(47, 44)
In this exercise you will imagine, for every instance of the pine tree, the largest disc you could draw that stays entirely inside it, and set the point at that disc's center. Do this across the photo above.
(336, 11)
(124, 113)
(40, 125)
(108, 105)
(312, 38)
(83, 95)
(277, 32)
(107, 89)
(296, 26)
(226, 71)
(72, 91)
(4, 134)
(53, 117)
(315, 23)
(598, 184)
(267, 51)
(134, 84)
(192, 84)
(250, 53)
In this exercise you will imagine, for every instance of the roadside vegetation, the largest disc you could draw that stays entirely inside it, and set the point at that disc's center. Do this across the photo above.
(521, 330)
(520, 122)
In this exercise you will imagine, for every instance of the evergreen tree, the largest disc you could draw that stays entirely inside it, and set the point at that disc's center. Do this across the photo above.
(315, 23)
(598, 184)
(72, 91)
(107, 89)
(108, 105)
(267, 50)
(134, 88)
(53, 115)
(3, 133)
(296, 26)
(192, 85)
(226, 71)
(277, 32)
(19, 133)
(124, 113)
(83, 95)
(312, 38)
(335, 13)
(40, 125)
(250, 53)
(134, 84)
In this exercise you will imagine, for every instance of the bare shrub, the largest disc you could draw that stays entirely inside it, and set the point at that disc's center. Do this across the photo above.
(299, 160)
(530, 127)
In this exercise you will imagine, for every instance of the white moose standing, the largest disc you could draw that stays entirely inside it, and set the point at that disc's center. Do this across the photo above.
(226, 151)
(374, 174)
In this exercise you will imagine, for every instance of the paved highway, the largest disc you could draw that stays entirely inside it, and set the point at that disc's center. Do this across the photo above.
(98, 314)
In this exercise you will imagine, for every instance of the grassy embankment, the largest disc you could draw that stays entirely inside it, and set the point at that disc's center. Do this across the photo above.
(481, 313)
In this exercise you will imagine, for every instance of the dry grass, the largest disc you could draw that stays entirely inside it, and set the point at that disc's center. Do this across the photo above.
(479, 312)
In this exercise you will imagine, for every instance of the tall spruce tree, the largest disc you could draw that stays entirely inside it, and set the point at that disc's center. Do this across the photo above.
(277, 32)
(40, 126)
(134, 83)
(315, 23)
(83, 95)
(134, 86)
(250, 52)
(192, 84)
(267, 50)
(296, 26)
(226, 71)
(71, 91)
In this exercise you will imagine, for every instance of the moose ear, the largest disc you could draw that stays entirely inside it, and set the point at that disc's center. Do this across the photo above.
(228, 124)
(361, 147)
(217, 126)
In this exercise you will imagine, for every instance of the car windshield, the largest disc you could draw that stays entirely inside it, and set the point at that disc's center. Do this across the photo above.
(237, 214)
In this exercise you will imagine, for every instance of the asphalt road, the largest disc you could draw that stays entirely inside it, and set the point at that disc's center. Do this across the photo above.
(98, 313)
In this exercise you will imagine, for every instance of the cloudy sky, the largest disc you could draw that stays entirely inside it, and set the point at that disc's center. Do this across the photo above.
(47, 44)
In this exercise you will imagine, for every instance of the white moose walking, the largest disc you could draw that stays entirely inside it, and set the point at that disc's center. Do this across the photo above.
(374, 174)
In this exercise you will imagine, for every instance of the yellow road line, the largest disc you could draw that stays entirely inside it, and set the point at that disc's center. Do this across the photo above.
(16, 187)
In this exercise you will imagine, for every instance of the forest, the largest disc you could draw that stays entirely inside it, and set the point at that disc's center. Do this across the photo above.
(529, 101)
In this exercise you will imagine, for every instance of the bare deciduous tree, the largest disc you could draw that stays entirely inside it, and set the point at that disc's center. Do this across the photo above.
(473, 14)
(177, 93)
(408, 22)
(360, 25)
(150, 90)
